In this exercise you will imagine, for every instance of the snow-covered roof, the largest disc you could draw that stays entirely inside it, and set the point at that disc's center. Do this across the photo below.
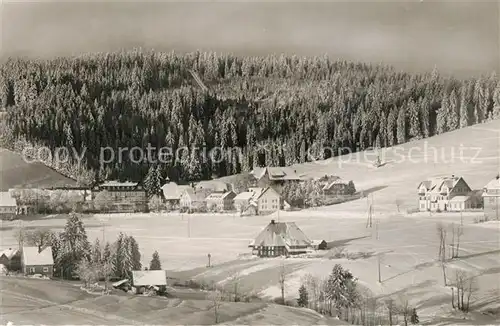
(435, 184)
(120, 282)
(196, 195)
(317, 242)
(458, 199)
(335, 182)
(279, 234)
(146, 278)
(9, 253)
(493, 184)
(6, 199)
(173, 191)
(247, 195)
(219, 195)
(114, 183)
(276, 173)
(31, 256)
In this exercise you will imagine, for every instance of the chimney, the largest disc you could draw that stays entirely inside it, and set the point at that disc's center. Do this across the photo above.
(272, 221)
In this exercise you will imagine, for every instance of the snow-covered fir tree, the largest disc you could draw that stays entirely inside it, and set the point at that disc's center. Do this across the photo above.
(153, 181)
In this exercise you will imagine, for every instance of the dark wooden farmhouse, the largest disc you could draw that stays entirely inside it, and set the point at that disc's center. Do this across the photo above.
(280, 239)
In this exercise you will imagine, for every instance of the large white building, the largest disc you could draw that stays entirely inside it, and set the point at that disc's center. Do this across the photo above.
(444, 194)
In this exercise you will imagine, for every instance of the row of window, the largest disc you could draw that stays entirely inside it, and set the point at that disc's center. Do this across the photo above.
(33, 270)
(264, 207)
(272, 201)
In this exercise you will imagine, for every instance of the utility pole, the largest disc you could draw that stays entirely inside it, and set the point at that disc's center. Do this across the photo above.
(378, 263)
(461, 217)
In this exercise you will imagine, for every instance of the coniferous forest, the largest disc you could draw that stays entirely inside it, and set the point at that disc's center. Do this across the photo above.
(288, 105)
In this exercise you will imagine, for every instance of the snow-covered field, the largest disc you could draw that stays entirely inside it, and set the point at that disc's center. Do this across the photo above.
(408, 243)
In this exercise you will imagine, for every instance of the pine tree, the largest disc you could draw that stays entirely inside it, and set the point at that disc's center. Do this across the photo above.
(391, 125)
(464, 107)
(401, 126)
(155, 263)
(303, 300)
(119, 256)
(479, 99)
(413, 113)
(425, 118)
(442, 116)
(96, 252)
(414, 317)
(351, 189)
(153, 181)
(496, 102)
(453, 120)
(135, 254)
(74, 244)
(106, 254)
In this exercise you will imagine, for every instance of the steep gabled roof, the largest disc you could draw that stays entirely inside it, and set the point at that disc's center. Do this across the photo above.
(435, 184)
(9, 253)
(279, 234)
(493, 184)
(31, 256)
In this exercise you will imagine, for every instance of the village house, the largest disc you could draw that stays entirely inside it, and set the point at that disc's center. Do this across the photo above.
(172, 193)
(275, 177)
(155, 281)
(337, 187)
(192, 199)
(11, 259)
(436, 194)
(8, 205)
(35, 260)
(491, 199)
(125, 196)
(220, 201)
(259, 201)
(280, 239)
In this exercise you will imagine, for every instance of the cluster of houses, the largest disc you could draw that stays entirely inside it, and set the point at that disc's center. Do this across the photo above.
(261, 198)
(453, 194)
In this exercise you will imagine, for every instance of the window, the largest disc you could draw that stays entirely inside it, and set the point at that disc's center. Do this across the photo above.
(45, 269)
(32, 269)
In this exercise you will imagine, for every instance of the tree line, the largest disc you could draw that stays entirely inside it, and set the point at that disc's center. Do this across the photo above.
(279, 110)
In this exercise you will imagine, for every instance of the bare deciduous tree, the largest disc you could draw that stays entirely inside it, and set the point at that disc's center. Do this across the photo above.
(215, 298)
(404, 309)
(390, 308)
(39, 237)
(465, 286)
(441, 231)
